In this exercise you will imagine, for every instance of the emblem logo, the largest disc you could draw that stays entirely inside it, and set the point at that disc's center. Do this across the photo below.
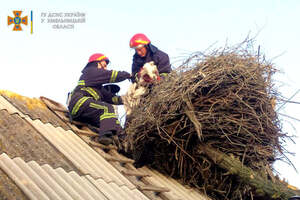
(17, 20)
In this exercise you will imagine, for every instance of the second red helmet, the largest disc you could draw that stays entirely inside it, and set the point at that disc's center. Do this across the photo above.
(139, 40)
(98, 57)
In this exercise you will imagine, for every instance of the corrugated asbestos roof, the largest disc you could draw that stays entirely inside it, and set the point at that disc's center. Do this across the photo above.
(44, 182)
(34, 108)
(75, 168)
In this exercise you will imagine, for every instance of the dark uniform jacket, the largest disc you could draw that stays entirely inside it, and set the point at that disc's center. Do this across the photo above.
(90, 85)
(160, 58)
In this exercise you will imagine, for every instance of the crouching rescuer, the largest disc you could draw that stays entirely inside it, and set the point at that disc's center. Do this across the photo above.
(91, 101)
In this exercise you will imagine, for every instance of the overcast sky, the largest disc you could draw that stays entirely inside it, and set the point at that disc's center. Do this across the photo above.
(49, 61)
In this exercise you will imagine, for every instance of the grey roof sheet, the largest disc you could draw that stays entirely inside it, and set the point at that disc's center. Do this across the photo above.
(43, 182)
(91, 173)
(34, 108)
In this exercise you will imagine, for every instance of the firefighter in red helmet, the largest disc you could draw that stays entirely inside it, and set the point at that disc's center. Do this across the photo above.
(146, 52)
(91, 101)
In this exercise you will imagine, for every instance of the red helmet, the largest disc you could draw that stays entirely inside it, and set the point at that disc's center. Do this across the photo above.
(98, 57)
(138, 40)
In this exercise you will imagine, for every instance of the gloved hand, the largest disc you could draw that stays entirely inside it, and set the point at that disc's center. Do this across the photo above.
(128, 75)
(131, 78)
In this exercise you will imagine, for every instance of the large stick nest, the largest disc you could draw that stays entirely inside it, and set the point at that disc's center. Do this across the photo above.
(224, 100)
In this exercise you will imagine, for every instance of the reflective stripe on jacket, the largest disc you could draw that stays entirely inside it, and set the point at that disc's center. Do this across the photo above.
(90, 86)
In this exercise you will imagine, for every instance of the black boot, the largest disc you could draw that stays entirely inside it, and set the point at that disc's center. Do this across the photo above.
(106, 138)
